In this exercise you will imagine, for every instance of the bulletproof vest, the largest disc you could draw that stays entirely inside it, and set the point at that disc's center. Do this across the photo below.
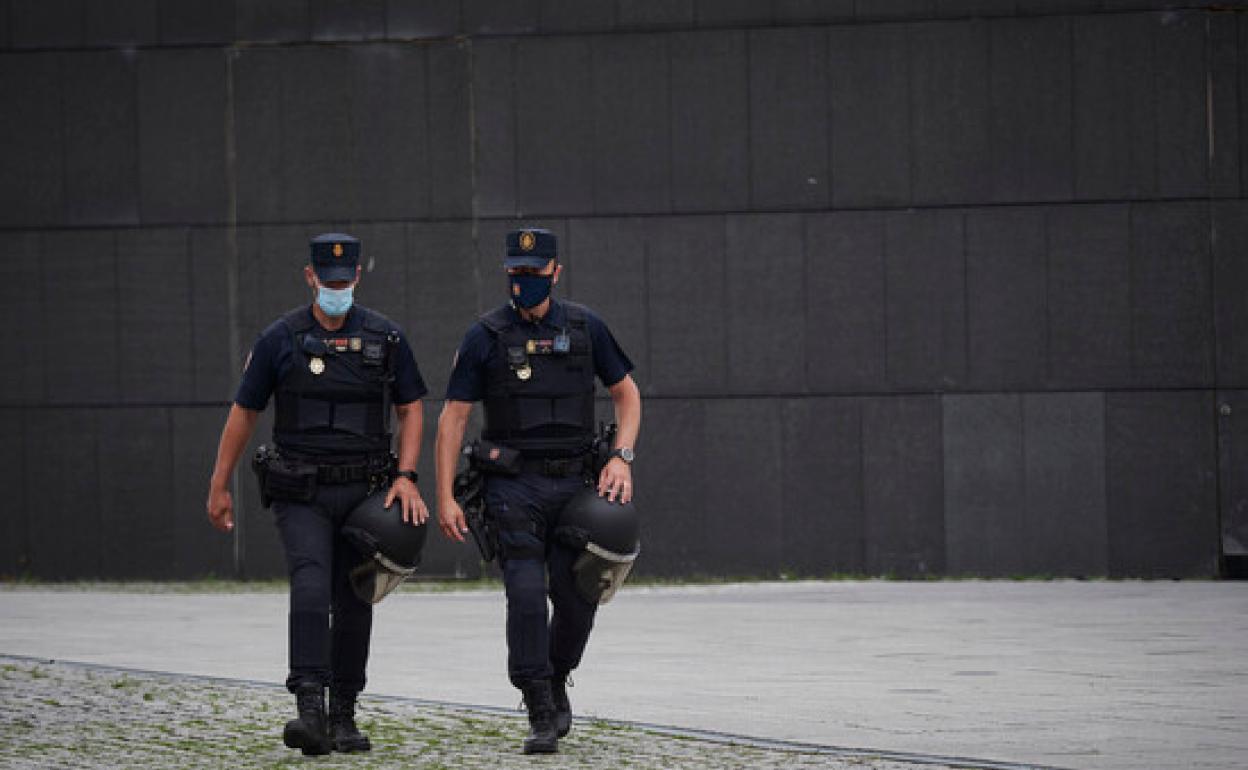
(334, 400)
(539, 389)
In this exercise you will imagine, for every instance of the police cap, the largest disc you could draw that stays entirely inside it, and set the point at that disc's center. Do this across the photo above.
(531, 247)
(335, 256)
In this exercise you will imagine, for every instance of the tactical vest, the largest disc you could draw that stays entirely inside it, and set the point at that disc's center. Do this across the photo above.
(335, 399)
(539, 388)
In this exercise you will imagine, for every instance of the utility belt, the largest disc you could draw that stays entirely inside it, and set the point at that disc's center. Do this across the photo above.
(296, 478)
(556, 466)
(491, 458)
(486, 458)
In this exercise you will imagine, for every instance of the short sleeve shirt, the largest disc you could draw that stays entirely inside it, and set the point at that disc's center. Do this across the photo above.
(475, 354)
(273, 355)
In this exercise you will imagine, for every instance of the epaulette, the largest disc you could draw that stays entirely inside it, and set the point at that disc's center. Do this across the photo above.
(373, 321)
(498, 320)
(578, 315)
(299, 320)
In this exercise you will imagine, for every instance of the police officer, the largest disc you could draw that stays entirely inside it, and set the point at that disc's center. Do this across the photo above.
(533, 362)
(335, 368)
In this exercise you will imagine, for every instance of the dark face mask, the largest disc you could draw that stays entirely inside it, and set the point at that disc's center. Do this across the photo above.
(528, 291)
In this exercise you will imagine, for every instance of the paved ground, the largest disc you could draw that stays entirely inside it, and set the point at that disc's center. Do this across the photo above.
(1078, 675)
(68, 715)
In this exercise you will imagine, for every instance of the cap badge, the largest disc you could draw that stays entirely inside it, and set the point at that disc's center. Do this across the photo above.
(527, 241)
(337, 249)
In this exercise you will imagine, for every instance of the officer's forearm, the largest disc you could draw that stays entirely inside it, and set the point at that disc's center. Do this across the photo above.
(627, 401)
(411, 430)
(451, 425)
(234, 437)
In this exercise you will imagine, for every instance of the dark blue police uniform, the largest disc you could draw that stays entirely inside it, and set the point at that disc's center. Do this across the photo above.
(537, 381)
(333, 394)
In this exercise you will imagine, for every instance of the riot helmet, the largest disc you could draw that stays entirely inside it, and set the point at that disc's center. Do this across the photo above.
(392, 546)
(608, 536)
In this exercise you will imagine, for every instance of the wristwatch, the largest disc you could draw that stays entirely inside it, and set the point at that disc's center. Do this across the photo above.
(409, 475)
(624, 453)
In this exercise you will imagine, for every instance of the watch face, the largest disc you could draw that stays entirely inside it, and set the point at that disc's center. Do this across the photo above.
(626, 454)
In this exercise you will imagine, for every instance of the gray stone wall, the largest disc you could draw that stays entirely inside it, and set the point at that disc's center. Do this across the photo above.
(913, 287)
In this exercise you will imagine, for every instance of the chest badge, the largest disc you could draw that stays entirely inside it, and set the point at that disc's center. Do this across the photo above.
(316, 365)
(524, 372)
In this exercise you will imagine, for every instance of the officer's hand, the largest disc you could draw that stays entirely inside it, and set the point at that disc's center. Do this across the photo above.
(414, 508)
(451, 520)
(616, 479)
(221, 508)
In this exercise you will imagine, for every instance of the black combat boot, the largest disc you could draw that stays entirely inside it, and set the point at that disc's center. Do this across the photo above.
(563, 707)
(307, 733)
(345, 736)
(542, 738)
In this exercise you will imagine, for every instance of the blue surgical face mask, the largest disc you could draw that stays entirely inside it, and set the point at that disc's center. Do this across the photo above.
(335, 302)
(528, 290)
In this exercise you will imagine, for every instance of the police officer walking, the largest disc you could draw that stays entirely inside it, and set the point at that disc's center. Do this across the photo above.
(533, 362)
(336, 368)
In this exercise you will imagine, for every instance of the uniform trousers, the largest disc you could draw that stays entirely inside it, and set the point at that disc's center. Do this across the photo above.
(329, 625)
(536, 565)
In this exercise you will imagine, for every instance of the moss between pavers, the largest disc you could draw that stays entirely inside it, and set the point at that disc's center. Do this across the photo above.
(62, 715)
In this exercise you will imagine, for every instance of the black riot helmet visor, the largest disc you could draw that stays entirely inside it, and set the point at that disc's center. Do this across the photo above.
(392, 546)
(608, 536)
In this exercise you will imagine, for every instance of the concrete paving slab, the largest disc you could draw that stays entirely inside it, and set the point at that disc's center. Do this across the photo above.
(1096, 675)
